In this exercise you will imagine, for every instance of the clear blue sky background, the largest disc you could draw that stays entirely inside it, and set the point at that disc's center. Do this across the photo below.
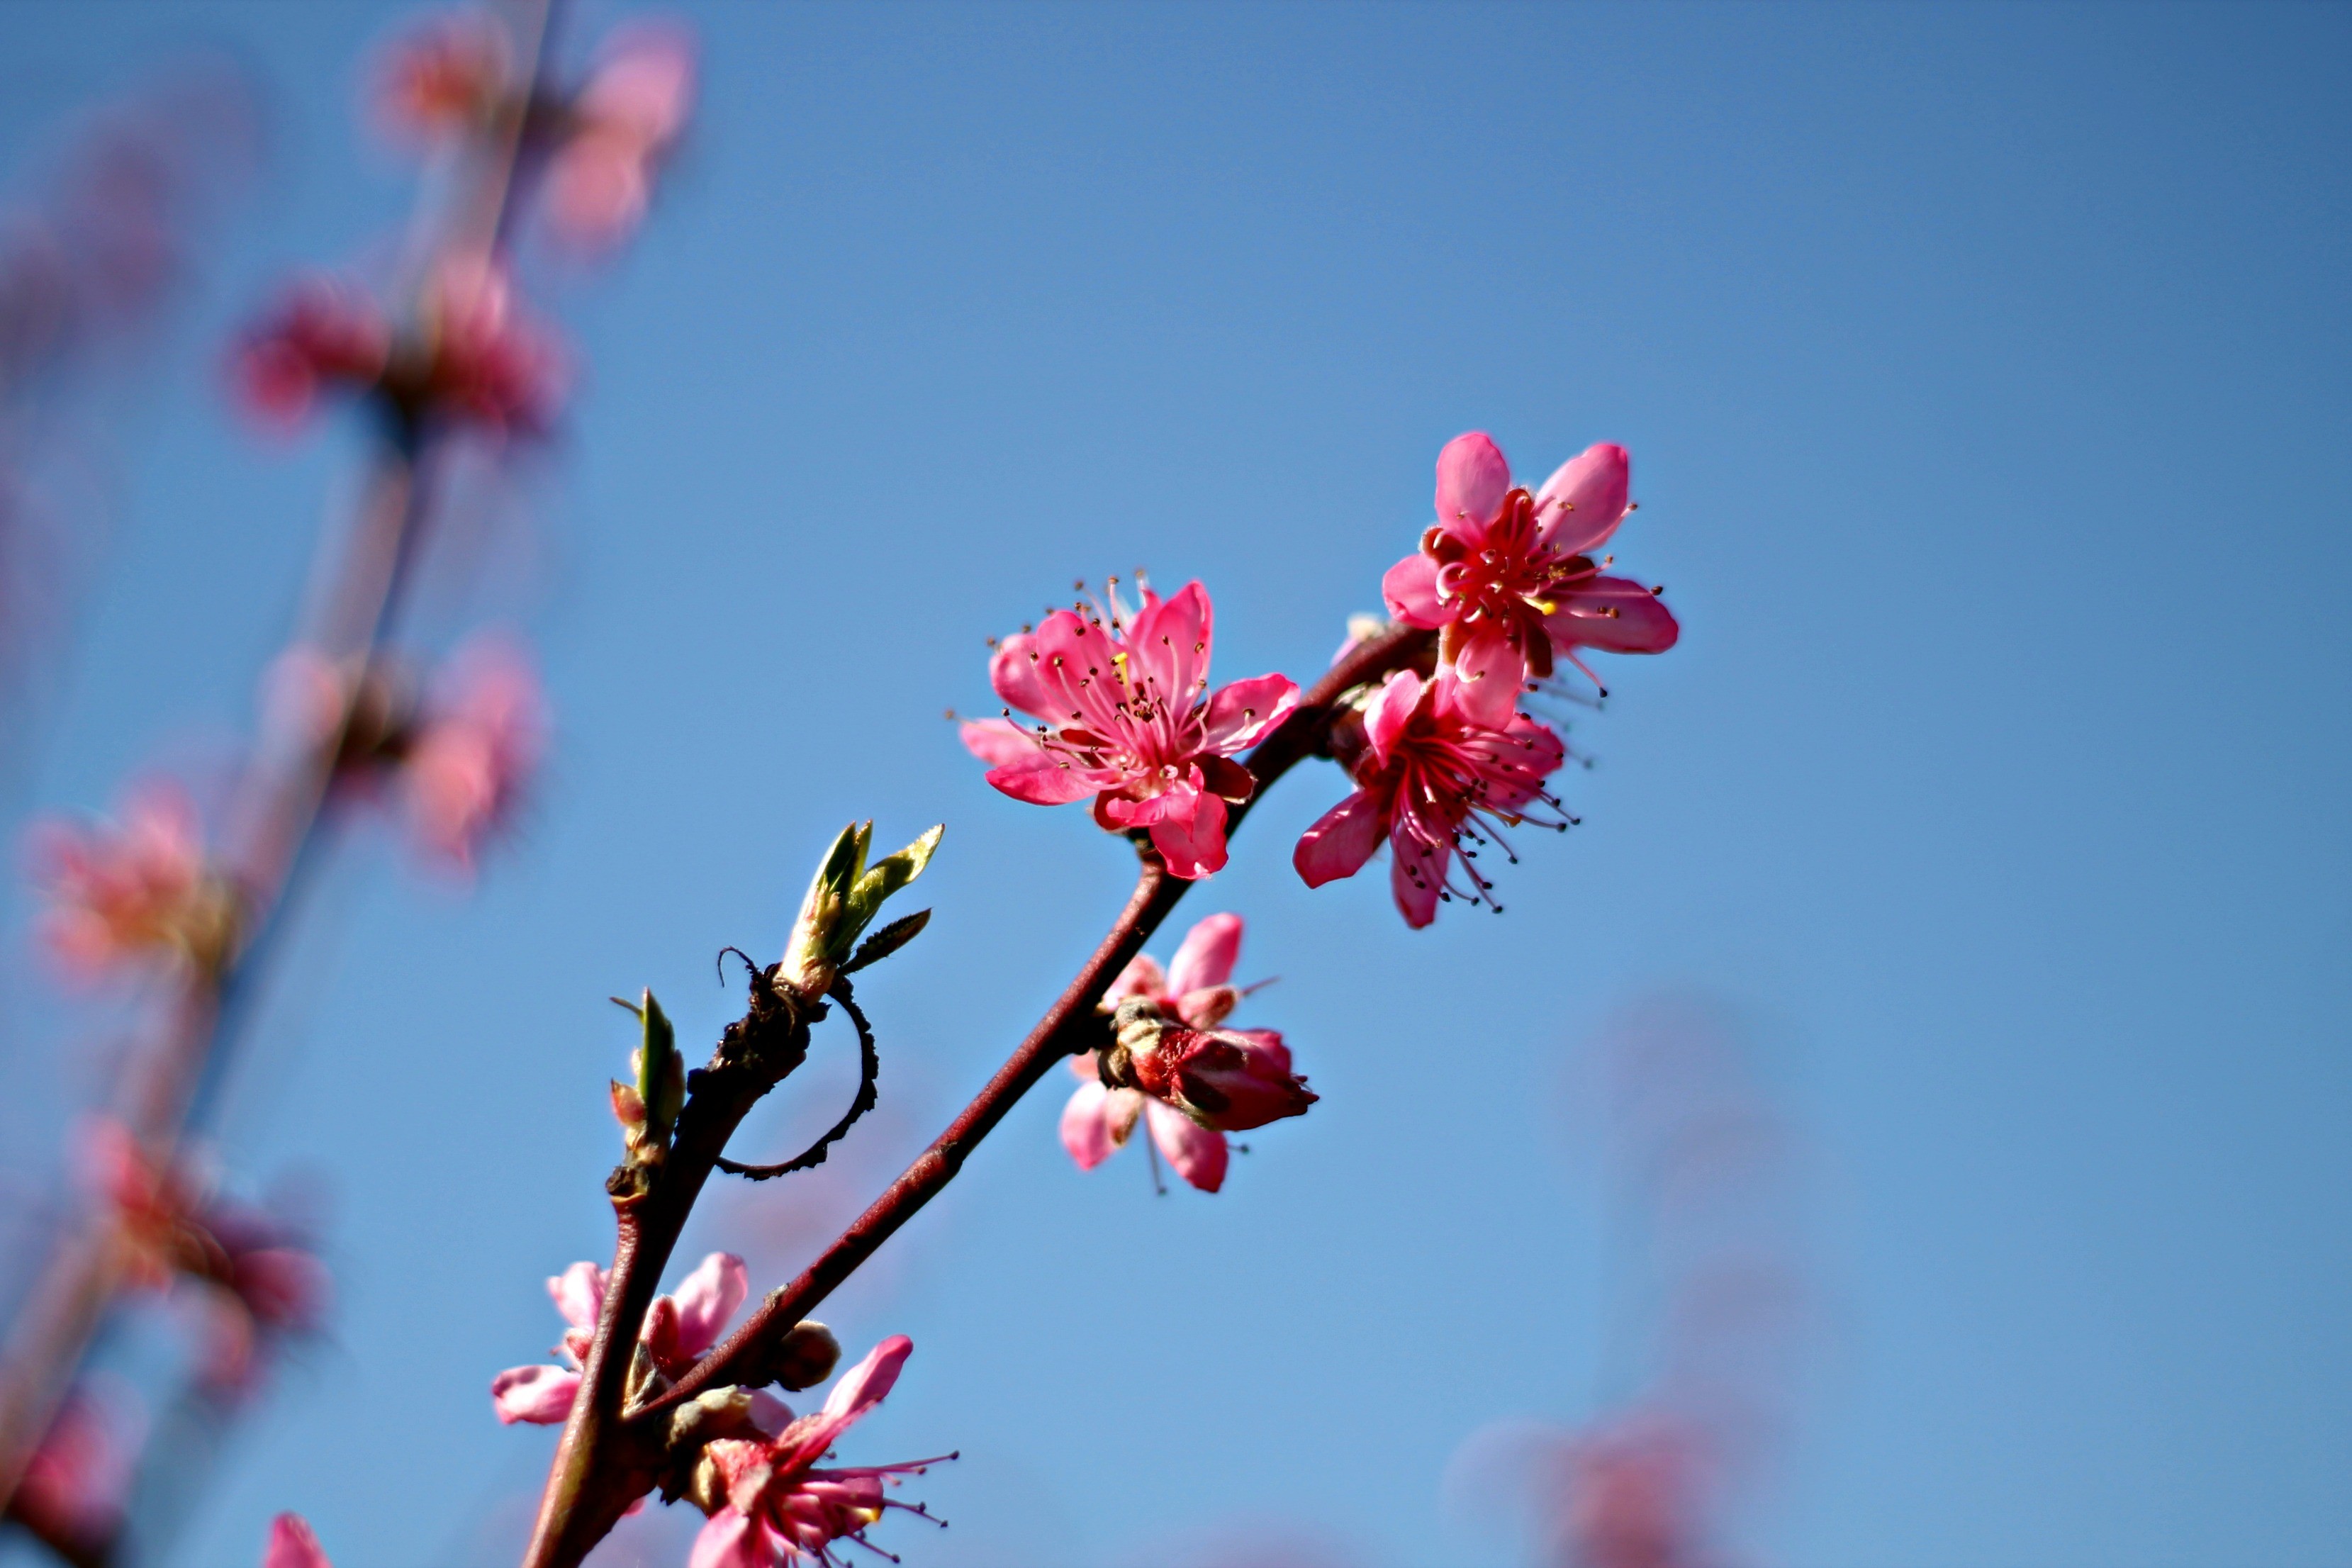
(1986, 374)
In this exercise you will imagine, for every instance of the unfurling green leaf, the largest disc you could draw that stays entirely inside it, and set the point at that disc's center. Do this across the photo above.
(842, 899)
(661, 1073)
(887, 941)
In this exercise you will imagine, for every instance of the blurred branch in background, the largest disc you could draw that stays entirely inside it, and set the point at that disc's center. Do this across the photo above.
(451, 369)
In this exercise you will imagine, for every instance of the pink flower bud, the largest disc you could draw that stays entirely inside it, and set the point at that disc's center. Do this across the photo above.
(1229, 1080)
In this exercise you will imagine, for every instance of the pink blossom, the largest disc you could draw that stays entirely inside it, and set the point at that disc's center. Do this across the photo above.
(770, 1504)
(321, 334)
(1432, 774)
(1511, 578)
(1194, 987)
(1125, 718)
(293, 1545)
(626, 119)
(126, 893)
(476, 748)
(1190, 1080)
(678, 1330)
(442, 79)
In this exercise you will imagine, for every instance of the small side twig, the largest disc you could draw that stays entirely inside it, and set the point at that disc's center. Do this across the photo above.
(869, 1063)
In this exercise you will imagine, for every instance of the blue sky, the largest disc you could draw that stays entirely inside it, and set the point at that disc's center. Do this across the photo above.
(1985, 373)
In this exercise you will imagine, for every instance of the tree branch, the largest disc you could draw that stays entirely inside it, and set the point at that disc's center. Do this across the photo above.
(607, 1459)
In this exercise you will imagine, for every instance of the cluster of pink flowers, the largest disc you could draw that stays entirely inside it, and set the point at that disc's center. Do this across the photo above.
(257, 1277)
(1442, 759)
(476, 358)
(130, 892)
(771, 1503)
(1192, 1080)
(679, 1329)
(1443, 762)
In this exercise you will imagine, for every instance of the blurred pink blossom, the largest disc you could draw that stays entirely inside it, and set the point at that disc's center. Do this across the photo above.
(74, 1486)
(321, 334)
(770, 1505)
(676, 1330)
(257, 1278)
(624, 121)
(1431, 773)
(1636, 1496)
(1126, 719)
(475, 751)
(130, 892)
(441, 80)
(1510, 577)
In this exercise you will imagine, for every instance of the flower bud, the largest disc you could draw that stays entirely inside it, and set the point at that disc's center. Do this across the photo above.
(806, 1357)
(1229, 1080)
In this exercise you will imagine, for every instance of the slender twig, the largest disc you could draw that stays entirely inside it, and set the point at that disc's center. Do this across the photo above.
(869, 1070)
(605, 1460)
(276, 822)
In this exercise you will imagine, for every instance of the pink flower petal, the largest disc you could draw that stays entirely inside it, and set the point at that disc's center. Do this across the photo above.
(1339, 843)
(293, 1545)
(1044, 779)
(999, 742)
(1169, 647)
(732, 1538)
(1086, 1126)
(707, 1298)
(1208, 954)
(1416, 897)
(1583, 502)
(1076, 675)
(1243, 714)
(1199, 1154)
(1141, 977)
(1615, 615)
(1192, 841)
(1491, 673)
(579, 1294)
(541, 1395)
(1410, 591)
(1471, 480)
(1390, 708)
(1013, 671)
